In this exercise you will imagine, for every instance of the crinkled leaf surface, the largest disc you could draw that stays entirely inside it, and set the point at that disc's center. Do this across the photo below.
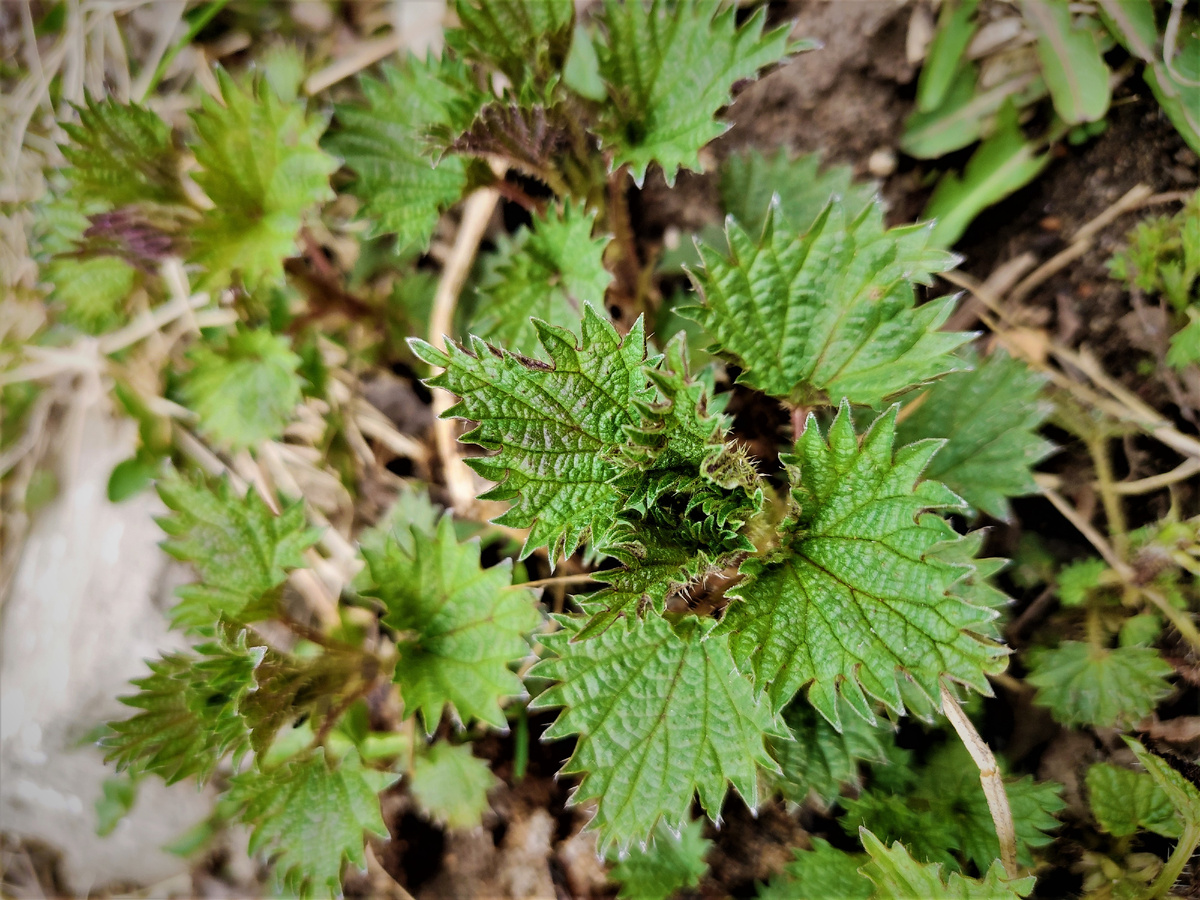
(670, 862)
(527, 40)
(458, 625)
(829, 313)
(556, 426)
(309, 815)
(384, 142)
(1085, 685)
(897, 876)
(1124, 802)
(245, 391)
(120, 154)
(548, 272)
(822, 873)
(660, 714)
(1179, 779)
(188, 716)
(261, 166)
(989, 417)
(451, 784)
(686, 494)
(818, 759)
(92, 292)
(669, 68)
(799, 188)
(241, 550)
(855, 599)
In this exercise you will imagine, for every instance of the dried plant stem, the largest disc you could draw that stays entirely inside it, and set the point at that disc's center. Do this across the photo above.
(1181, 472)
(1084, 527)
(477, 212)
(365, 54)
(989, 778)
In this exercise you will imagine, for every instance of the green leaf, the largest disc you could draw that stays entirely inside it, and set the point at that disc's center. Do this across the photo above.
(989, 418)
(263, 170)
(310, 817)
(246, 391)
(670, 862)
(829, 313)
(458, 626)
(822, 873)
(1133, 24)
(968, 112)
(669, 69)
(854, 598)
(1078, 579)
(686, 494)
(1071, 62)
(956, 26)
(1085, 685)
(130, 477)
(652, 572)
(92, 291)
(801, 190)
(660, 714)
(451, 784)
(121, 154)
(385, 143)
(548, 272)
(1185, 343)
(118, 794)
(943, 815)
(241, 550)
(188, 715)
(817, 759)
(527, 40)
(1004, 163)
(897, 876)
(1179, 99)
(555, 426)
(1179, 779)
(412, 511)
(1124, 802)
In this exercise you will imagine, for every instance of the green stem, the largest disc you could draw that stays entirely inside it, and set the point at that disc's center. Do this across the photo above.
(1113, 511)
(1181, 620)
(521, 744)
(202, 19)
(1179, 858)
(1095, 630)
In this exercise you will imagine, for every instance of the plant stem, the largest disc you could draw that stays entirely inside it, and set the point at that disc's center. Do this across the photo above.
(989, 778)
(627, 268)
(1182, 622)
(521, 744)
(194, 29)
(1179, 857)
(1113, 511)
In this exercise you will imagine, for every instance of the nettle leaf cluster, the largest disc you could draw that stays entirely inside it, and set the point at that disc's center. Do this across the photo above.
(763, 618)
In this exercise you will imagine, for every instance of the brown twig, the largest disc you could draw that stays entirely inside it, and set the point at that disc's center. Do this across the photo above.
(477, 212)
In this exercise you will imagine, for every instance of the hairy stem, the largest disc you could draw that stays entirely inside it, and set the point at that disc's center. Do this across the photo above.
(1179, 858)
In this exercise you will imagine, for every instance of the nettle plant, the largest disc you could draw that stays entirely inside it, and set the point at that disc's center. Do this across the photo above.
(763, 619)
